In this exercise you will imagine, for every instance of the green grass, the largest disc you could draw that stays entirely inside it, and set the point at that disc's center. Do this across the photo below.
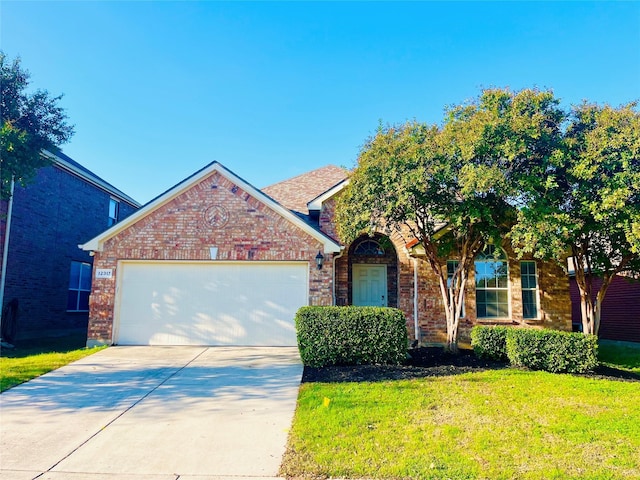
(33, 358)
(495, 424)
(622, 355)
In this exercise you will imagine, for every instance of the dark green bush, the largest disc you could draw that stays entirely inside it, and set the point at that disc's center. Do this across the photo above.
(490, 342)
(351, 335)
(552, 350)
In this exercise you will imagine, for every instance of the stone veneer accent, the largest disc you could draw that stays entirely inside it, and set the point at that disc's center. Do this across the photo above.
(214, 212)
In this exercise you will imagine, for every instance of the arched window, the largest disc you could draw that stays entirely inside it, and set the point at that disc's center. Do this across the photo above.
(368, 247)
(492, 283)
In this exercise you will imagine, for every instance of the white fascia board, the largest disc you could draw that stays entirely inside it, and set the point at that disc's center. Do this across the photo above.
(96, 244)
(316, 203)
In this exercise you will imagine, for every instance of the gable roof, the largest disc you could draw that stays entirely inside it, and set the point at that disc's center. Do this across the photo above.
(68, 164)
(96, 243)
(297, 192)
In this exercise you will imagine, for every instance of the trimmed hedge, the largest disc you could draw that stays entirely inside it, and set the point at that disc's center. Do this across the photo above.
(351, 335)
(552, 350)
(490, 342)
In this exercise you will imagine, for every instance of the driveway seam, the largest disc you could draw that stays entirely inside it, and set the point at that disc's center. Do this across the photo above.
(121, 414)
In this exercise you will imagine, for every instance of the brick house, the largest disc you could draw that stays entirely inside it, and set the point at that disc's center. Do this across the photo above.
(44, 274)
(216, 261)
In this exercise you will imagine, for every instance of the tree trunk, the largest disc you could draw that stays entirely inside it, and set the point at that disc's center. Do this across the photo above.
(590, 307)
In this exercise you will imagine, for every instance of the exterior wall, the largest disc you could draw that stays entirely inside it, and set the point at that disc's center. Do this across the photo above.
(326, 218)
(212, 213)
(554, 305)
(620, 318)
(553, 285)
(51, 216)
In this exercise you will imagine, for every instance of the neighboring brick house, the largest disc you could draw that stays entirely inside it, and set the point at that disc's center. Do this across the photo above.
(620, 317)
(45, 274)
(217, 261)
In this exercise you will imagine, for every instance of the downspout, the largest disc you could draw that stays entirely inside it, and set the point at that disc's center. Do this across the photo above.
(336, 257)
(416, 326)
(5, 251)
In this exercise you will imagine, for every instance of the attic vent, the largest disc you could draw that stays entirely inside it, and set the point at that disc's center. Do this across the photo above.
(369, 247)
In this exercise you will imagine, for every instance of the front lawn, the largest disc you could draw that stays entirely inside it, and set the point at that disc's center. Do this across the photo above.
(623, 355)
(490, 424)
(36, 357)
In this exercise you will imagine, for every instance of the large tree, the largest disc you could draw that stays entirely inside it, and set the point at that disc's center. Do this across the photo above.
(30, 122)
(586, 203)
(450, 186)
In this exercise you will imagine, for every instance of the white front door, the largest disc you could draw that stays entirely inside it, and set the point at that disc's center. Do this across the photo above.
(369, 285)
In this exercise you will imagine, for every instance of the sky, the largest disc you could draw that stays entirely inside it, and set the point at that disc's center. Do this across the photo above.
(159, 89)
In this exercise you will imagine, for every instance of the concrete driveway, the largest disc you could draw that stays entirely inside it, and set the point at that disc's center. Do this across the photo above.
(155, 413)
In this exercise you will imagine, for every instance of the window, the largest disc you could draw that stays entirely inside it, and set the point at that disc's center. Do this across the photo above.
(114, 210)
(451, 267)
(79, 287)
(369, 247)
(492, 284)
(529, 283)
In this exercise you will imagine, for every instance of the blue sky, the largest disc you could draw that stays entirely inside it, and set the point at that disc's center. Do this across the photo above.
(157, 90)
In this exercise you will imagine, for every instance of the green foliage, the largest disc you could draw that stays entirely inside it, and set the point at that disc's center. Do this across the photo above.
(551, 350)
(584, 201)
(351, 335)
(465, 175)
(490, 342)
(29, 123)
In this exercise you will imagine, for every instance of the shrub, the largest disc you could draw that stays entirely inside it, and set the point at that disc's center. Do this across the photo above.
(351, 335)
(552, 350)
(490, 342)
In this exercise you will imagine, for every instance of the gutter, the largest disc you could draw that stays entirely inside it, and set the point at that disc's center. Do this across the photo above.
(5, 252)
(336, 257)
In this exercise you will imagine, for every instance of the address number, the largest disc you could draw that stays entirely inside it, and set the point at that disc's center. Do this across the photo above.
(104, 273)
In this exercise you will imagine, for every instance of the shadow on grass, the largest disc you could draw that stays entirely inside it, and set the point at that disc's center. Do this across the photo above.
(424, 362)
(434, 362)
(62, 344)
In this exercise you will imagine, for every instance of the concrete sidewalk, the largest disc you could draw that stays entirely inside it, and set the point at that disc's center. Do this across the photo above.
(155, 413)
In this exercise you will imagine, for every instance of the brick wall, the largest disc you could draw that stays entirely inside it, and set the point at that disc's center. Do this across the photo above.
(555, 303)
(51, 216)
(214, 212)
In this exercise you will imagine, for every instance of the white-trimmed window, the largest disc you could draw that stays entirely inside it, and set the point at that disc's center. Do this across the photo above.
(529, 284)
(451, 267)
(492, 283)
(114, 211)
(79, 287)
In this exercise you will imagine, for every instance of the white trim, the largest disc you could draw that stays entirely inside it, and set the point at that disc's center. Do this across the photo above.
(97, 243)
(316, 203)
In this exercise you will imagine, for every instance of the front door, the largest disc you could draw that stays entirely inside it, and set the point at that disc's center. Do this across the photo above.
(370, 285)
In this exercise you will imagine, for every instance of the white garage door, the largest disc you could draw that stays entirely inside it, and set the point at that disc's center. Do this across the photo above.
(166, 303)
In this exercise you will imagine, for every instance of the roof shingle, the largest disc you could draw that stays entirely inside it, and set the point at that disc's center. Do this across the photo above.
(296, 192)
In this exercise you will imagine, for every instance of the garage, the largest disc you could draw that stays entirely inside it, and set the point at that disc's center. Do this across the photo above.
(209, 303)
